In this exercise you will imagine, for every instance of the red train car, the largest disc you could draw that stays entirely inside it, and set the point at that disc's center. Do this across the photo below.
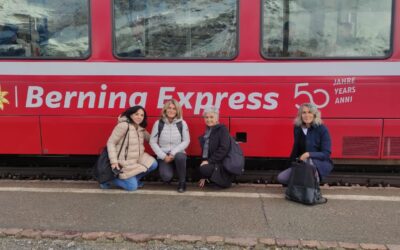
(68, 68)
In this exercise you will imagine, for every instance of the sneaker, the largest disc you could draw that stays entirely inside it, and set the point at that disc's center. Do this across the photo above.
(140, 184)
(321, 200)
(105, 185)
(181, 187)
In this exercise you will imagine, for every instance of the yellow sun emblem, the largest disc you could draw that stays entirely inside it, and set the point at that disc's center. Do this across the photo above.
(3, 99)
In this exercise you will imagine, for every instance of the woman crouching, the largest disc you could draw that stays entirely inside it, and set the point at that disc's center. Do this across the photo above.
(215, 145)
(127, 155)
(312, 144)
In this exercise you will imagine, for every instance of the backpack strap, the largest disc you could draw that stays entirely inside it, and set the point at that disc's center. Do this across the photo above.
(180, 128)
(160, 128)
(161, 124)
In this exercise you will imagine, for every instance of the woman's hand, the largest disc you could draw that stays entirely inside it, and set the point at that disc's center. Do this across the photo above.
(203, 163)
(305, 156)
(115, 166)
(202, 182)
(169, 158)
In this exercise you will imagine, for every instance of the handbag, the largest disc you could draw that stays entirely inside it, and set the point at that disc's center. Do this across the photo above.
(102, 170)
(234, 160)
(303, 186)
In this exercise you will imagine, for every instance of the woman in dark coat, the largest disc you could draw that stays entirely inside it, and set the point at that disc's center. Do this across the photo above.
(312, 143)
(215, 145)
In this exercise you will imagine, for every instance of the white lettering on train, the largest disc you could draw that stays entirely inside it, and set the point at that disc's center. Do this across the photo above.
(343, 81)
(200, 104)
(54, 99)
(184, 99)
(346, 90)
(236, 100)
(196, 101)
(344, 99)
(33, 99)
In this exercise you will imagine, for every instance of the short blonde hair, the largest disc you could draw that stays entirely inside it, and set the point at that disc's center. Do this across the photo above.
(211, 109)
(177, 106)
(298, 121)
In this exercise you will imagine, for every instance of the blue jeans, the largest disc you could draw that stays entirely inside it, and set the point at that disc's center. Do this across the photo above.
(283, 177)
(132, 183)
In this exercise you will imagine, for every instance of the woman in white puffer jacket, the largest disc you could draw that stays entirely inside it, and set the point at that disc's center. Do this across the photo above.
(169, 139)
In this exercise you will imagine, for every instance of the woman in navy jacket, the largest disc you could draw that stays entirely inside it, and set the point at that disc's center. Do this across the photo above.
(312, 143)
(215, 145)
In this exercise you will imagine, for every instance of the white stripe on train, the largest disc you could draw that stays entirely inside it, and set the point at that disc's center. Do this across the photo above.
(332, 68)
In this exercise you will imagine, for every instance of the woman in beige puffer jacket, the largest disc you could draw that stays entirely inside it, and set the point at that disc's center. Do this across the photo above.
(132, 161)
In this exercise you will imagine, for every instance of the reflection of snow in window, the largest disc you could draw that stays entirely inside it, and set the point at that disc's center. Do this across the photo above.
(175, 28)
(47, 28)
(337, 28)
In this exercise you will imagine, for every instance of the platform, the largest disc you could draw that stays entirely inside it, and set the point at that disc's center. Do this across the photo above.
(356, 215)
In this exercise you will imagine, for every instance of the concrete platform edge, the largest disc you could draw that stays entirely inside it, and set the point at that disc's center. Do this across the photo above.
(170, 239)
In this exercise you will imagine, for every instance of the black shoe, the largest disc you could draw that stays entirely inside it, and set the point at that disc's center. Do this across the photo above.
(181, 187)
(167, 182)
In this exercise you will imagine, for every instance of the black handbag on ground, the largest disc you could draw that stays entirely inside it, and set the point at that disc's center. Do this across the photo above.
(303, 186)
(234, 160)
(102, 170)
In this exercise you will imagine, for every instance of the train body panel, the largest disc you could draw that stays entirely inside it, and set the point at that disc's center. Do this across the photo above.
(63, 97)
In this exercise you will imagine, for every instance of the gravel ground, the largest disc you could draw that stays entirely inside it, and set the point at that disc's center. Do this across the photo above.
(9, 243)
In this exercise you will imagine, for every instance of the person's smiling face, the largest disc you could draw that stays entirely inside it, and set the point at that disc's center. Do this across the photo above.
(211, 119)
(307, 117)
(138, 117)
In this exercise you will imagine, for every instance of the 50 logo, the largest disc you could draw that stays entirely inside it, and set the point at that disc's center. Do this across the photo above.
(323, 92)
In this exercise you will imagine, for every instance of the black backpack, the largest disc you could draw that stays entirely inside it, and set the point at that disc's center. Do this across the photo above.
(234, 160)
(303, 186)
(161, 124)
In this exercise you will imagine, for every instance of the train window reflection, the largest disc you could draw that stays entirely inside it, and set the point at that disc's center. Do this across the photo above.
(175, 29)
(326, 29)
(44, 29)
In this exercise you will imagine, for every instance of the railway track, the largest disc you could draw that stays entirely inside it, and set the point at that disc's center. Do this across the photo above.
(263, 171)
(337, 178)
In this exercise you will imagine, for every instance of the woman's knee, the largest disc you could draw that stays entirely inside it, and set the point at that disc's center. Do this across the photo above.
(131, 186)
(206, 171)
(180, 157)
(283, 177)
(153, 166)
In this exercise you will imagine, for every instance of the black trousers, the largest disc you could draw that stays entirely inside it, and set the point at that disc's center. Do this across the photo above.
(167, 169)
(207, 170)
(217, 174)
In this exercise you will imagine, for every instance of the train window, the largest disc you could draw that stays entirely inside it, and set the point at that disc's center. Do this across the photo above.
(326, 29)
(44, 29)
(175, 29)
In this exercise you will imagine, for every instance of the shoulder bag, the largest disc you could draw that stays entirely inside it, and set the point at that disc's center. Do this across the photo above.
(102, 170)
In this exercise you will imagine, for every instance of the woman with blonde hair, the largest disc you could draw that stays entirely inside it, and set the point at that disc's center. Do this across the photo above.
(169, 139)
(312, 144)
